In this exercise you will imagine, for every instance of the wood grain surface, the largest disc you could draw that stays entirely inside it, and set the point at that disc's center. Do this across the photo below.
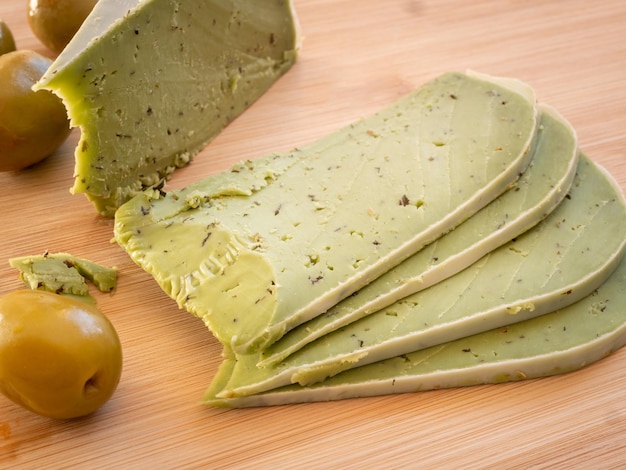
(357, 56)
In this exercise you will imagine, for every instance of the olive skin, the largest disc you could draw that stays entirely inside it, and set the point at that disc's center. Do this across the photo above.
(59, 357)
(7, 43)
(55, 22)
(32, 124)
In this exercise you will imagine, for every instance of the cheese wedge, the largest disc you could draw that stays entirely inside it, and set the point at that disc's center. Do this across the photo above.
(540, 189)
(150, 82)
(561, 260)
(275, 242)
(559, 342)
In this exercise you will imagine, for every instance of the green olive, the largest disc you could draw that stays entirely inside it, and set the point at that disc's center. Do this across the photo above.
(32, 124)
(7, 43)
(55, 22)
(59, 357)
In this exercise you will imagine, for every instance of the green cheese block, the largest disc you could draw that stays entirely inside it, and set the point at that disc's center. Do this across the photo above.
(562, 341)
(542, 186)
(274, 242)
(561, 260)
(151, 82)
(63, 273)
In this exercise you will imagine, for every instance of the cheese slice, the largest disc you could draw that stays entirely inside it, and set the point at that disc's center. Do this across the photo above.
(540, 189)
(559, 342)
(275, 242)
(150, 82)
(561, 260)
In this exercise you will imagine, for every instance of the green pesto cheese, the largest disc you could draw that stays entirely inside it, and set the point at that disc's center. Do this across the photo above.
(557, 262)
(272, 243)
(540, 189)
(151, 82)
(558, 342)
(63, 273)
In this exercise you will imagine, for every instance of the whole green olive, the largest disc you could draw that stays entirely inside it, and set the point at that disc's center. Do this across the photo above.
(7, 43)
(32, 124)
(55, 22)
(59, 357)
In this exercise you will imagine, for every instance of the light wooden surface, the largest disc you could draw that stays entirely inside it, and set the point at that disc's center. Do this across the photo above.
(357, 56)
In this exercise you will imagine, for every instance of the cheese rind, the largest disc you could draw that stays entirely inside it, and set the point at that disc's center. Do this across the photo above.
(556, 343)
(561, 260)
(151, 82)
(254, 258)
(540, 189)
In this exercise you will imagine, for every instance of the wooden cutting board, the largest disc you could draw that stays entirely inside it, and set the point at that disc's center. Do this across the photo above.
(357, 57)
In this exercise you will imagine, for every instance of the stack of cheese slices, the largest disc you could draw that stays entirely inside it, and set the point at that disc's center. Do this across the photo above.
(456, 237)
